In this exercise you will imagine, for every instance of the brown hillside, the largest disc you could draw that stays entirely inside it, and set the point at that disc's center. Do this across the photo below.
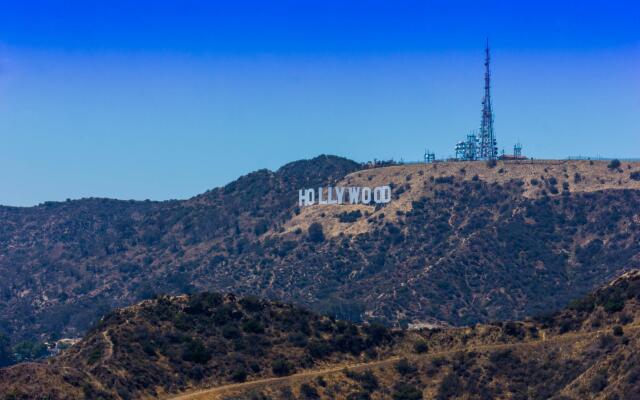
(575, 176)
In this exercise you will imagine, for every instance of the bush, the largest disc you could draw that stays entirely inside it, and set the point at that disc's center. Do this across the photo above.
(618, 331)
(308, 392)
(281, 367)
(577, 178)
(251, 303)
(239, 375)
(614, 164)
(598, 382)
(406, 391)
(614, 305)
(230, 331)
(319, 348)
(196, 352)
(491, 163)
(351, 216)
(253, 326)
(404, 367)
(315, 232)
(635, 176)
(420, 347)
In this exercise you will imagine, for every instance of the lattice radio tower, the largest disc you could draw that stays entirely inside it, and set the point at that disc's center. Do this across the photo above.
(488, 144)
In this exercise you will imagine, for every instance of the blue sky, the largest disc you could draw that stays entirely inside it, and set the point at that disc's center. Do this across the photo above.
(164, 100)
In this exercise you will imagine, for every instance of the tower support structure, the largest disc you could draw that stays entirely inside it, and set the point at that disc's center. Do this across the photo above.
(488, 148)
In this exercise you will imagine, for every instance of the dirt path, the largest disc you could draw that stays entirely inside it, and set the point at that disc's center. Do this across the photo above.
(217, 393)
(107, 339)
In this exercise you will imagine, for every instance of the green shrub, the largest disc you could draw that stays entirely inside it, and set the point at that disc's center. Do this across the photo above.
(420, 347)
(614, 164)
(196, 352)
(253, 326)
(239, 374)
(404, 367)
(407, 391)
(281, 367)
(308, 392)
(315, 232)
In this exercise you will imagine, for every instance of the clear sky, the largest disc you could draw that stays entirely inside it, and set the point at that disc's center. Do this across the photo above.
(161, 100)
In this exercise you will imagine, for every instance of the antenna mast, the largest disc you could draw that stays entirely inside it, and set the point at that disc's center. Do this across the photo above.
(488, 143)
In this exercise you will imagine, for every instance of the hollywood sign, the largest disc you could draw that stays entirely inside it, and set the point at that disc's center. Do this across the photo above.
(344, 195)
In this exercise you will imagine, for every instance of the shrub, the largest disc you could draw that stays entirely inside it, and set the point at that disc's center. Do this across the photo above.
(315, 232)
(319, 348)
(404, 367)
(359, 396)
(598, 382)
(577, 178)
(281, 367)
(614, 164)
(351, 216)
(635, 176)
(251, 303)
(308, 392)
(614, 305)
(253, 326)
(420, 347)
(444, 179)
(196, 352)
(239, 374)
(230, 331)
(406, 391)
(617, 330)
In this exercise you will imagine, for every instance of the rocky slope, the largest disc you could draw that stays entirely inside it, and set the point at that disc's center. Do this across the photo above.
(459, 243)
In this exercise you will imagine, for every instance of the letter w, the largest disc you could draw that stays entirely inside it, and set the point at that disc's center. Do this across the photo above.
(354, 195)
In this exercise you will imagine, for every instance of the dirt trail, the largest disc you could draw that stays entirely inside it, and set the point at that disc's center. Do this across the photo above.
(107, 339)
(217, 393)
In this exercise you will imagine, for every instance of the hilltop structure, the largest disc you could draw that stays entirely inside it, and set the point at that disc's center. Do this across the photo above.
(483, 146)
(488, 144)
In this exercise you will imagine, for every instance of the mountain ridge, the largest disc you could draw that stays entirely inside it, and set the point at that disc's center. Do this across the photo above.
(459, 243)
(183, 347)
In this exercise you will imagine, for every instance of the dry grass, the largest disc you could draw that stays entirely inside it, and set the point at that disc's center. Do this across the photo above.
(416, 179)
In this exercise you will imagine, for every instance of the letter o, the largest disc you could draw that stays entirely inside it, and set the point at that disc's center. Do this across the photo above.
(382, 194)
(366, 195)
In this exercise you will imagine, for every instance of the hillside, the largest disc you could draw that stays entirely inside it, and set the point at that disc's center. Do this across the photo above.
(171, 344)
(460, 243)
(205, 346)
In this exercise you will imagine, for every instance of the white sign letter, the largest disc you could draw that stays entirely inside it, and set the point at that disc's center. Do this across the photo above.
(354, 195)
(320, 201)
(340, 194)
(306, 197)
(382, 194)
(366, 195)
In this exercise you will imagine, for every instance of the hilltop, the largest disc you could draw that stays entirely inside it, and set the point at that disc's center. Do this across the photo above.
(171, 344)
(459, 243)
(206, 346)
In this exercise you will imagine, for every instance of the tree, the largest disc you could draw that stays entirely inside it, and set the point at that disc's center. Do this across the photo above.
(6, 355)
(315, 232)
(614, 164)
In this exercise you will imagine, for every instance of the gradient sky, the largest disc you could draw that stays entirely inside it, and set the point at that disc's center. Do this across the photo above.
(164, 100)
